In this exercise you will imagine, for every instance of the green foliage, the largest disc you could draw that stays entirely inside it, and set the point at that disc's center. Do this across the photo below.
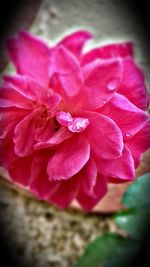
(134, 223)
(109, 250)
(113, 250)
(138, 194)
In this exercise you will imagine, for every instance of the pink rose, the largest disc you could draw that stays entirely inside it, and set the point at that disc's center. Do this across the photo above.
(72, 121)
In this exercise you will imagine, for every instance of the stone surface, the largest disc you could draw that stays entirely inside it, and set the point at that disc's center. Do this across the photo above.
(37, 233)
(40, 235)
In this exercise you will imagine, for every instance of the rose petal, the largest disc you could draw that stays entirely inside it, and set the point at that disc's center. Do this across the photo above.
(132, 85)
(20, 170)
(101, 84)
(24, 135)
(140, 143)
(10, 97)
(30, 56)
(104, 136)
(74, 42)
(30, 92)
(66, 65)
(7, 154)
(109, 51)
(73, 103)
(42, 187)
(127, 116)
(26, 86)
(121, 168)
(45, 132)
(65, 193)
(86, 201)
(9, 118)
(88, 177)
(56, 138)
(69, 158)
(39, 183)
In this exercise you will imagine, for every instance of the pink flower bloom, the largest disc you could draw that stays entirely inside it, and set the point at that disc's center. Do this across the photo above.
(72, 121)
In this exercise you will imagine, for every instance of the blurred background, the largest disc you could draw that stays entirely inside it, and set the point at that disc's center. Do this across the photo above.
(35, 233)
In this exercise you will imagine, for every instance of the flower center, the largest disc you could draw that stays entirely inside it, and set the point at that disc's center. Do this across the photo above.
(75, 125)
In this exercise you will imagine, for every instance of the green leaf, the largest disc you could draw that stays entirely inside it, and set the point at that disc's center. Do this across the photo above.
(135, 223)
(109, 250)
(112, 250)
(137, 195)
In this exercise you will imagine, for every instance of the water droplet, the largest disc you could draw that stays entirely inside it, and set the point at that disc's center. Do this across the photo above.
(104, 101)
(112, 84)
(78, 125)
(128, 135)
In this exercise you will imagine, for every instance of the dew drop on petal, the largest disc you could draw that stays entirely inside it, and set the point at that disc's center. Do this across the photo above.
(112, 84)
(128, 135)
(78, 125)
(104, 101)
